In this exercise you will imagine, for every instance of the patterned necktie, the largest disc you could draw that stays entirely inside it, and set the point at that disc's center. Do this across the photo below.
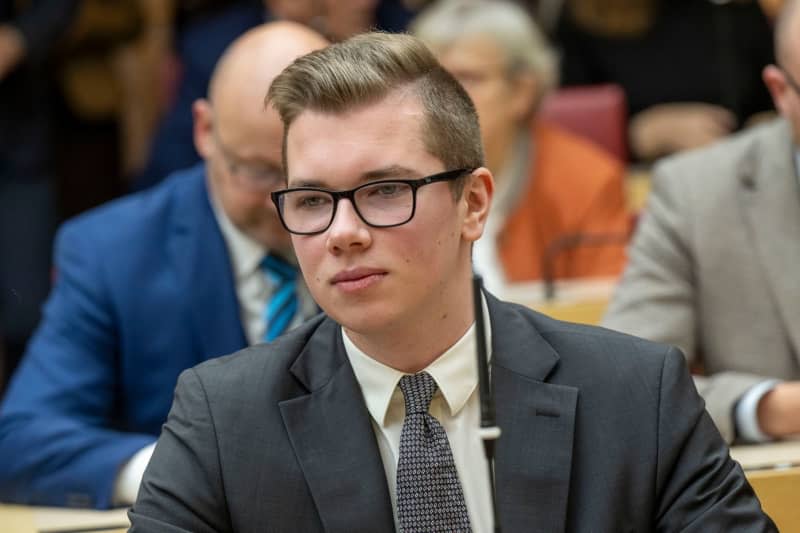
(429, 495)
(283, 305)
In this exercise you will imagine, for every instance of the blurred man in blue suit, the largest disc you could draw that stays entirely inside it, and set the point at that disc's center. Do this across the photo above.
(150, 285)
(204, 32)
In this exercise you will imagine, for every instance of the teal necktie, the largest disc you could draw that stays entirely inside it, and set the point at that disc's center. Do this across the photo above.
(284, 303)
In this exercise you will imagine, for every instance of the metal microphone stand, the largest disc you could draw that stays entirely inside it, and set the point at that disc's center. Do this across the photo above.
(489, 432)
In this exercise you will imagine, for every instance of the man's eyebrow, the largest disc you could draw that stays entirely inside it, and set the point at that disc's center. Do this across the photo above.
(390, 172)
(305, 183)
(393, 171)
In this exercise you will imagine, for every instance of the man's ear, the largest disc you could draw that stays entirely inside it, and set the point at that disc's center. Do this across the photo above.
(477, 197)
(775, 80)
(202, 127)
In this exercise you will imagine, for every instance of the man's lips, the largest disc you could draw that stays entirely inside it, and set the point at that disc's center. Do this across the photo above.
(357, 278)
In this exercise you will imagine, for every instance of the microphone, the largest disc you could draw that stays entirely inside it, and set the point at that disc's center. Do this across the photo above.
(489, 432)
(569, 242)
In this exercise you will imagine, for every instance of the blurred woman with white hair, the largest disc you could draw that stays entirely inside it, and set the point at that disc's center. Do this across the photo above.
(553, 188)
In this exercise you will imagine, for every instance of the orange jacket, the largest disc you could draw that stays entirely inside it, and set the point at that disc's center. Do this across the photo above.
(574, 201)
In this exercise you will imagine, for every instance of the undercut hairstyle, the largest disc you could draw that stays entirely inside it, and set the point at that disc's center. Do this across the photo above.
(367, 68)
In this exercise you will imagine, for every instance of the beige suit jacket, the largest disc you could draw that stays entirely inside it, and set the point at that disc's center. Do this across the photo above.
(714, 266)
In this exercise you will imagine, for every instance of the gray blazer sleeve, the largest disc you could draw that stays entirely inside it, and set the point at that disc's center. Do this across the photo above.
(182, 486)
(657, 295)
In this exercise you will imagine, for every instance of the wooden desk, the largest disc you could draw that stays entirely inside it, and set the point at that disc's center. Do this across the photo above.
(777, 488)
(22, 519)
(779, 491)
(774, 472)
(782, 454)
(583, 301)
(637, 188)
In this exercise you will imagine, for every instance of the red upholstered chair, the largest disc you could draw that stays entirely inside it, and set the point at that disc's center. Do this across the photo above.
(595, 112)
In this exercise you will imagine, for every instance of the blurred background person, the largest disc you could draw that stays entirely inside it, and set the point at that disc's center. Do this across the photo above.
(560, 201)
(340, 19)
(713, 264)
(690, 68)
(152, 284)
(545, 13)
(771, 7)
(29, 32)
(202, 30)
(107, 71)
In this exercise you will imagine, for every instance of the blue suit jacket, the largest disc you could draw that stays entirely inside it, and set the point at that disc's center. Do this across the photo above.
(144, 290)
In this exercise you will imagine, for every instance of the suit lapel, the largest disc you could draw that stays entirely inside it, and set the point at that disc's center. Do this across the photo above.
(537, 419)
(334, 441)
(771, 201)
(333, 438)
(204, 272)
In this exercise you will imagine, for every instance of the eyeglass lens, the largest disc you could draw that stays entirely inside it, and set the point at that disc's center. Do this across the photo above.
(385, 203)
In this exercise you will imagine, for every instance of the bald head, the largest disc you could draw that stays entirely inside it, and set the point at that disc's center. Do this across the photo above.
(787, 31)
(781, 79)
(239, 138)
(246, 69)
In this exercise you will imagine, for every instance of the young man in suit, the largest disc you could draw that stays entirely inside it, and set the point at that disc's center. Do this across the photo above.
(367, 419)
(153, 284)
(713, 263)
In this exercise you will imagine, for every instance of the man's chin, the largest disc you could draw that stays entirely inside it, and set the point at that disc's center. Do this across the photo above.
(362, 321)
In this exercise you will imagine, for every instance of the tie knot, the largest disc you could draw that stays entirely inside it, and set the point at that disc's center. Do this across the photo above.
(418, 390)
(278, 269)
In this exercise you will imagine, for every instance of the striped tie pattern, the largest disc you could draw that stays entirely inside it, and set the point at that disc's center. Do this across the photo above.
(429, 494)
(284, 303)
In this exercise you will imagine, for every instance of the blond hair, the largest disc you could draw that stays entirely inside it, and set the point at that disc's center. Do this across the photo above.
(367, 68)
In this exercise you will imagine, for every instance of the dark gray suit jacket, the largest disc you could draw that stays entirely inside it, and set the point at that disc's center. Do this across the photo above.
(602, 432)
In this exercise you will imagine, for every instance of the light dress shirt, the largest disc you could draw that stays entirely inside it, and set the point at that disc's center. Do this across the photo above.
(253, 289)
(510, 183)
(456, 405)
(746, 412)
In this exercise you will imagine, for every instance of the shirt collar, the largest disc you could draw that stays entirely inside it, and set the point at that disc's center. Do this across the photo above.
(246, 253)
(455, 372)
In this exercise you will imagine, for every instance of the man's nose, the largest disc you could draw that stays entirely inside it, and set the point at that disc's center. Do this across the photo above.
(347, 231)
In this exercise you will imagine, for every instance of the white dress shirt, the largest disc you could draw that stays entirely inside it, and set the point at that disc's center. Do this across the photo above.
(456, 405)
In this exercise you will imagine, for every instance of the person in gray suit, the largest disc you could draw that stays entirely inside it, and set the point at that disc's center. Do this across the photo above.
(713, 264)
(367, 418)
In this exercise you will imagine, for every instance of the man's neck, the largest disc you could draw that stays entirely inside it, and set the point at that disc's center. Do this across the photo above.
(405, 353)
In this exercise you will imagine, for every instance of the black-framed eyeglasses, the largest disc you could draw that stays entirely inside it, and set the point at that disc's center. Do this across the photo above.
(380, 204)
(255, 177)
(792, 83)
